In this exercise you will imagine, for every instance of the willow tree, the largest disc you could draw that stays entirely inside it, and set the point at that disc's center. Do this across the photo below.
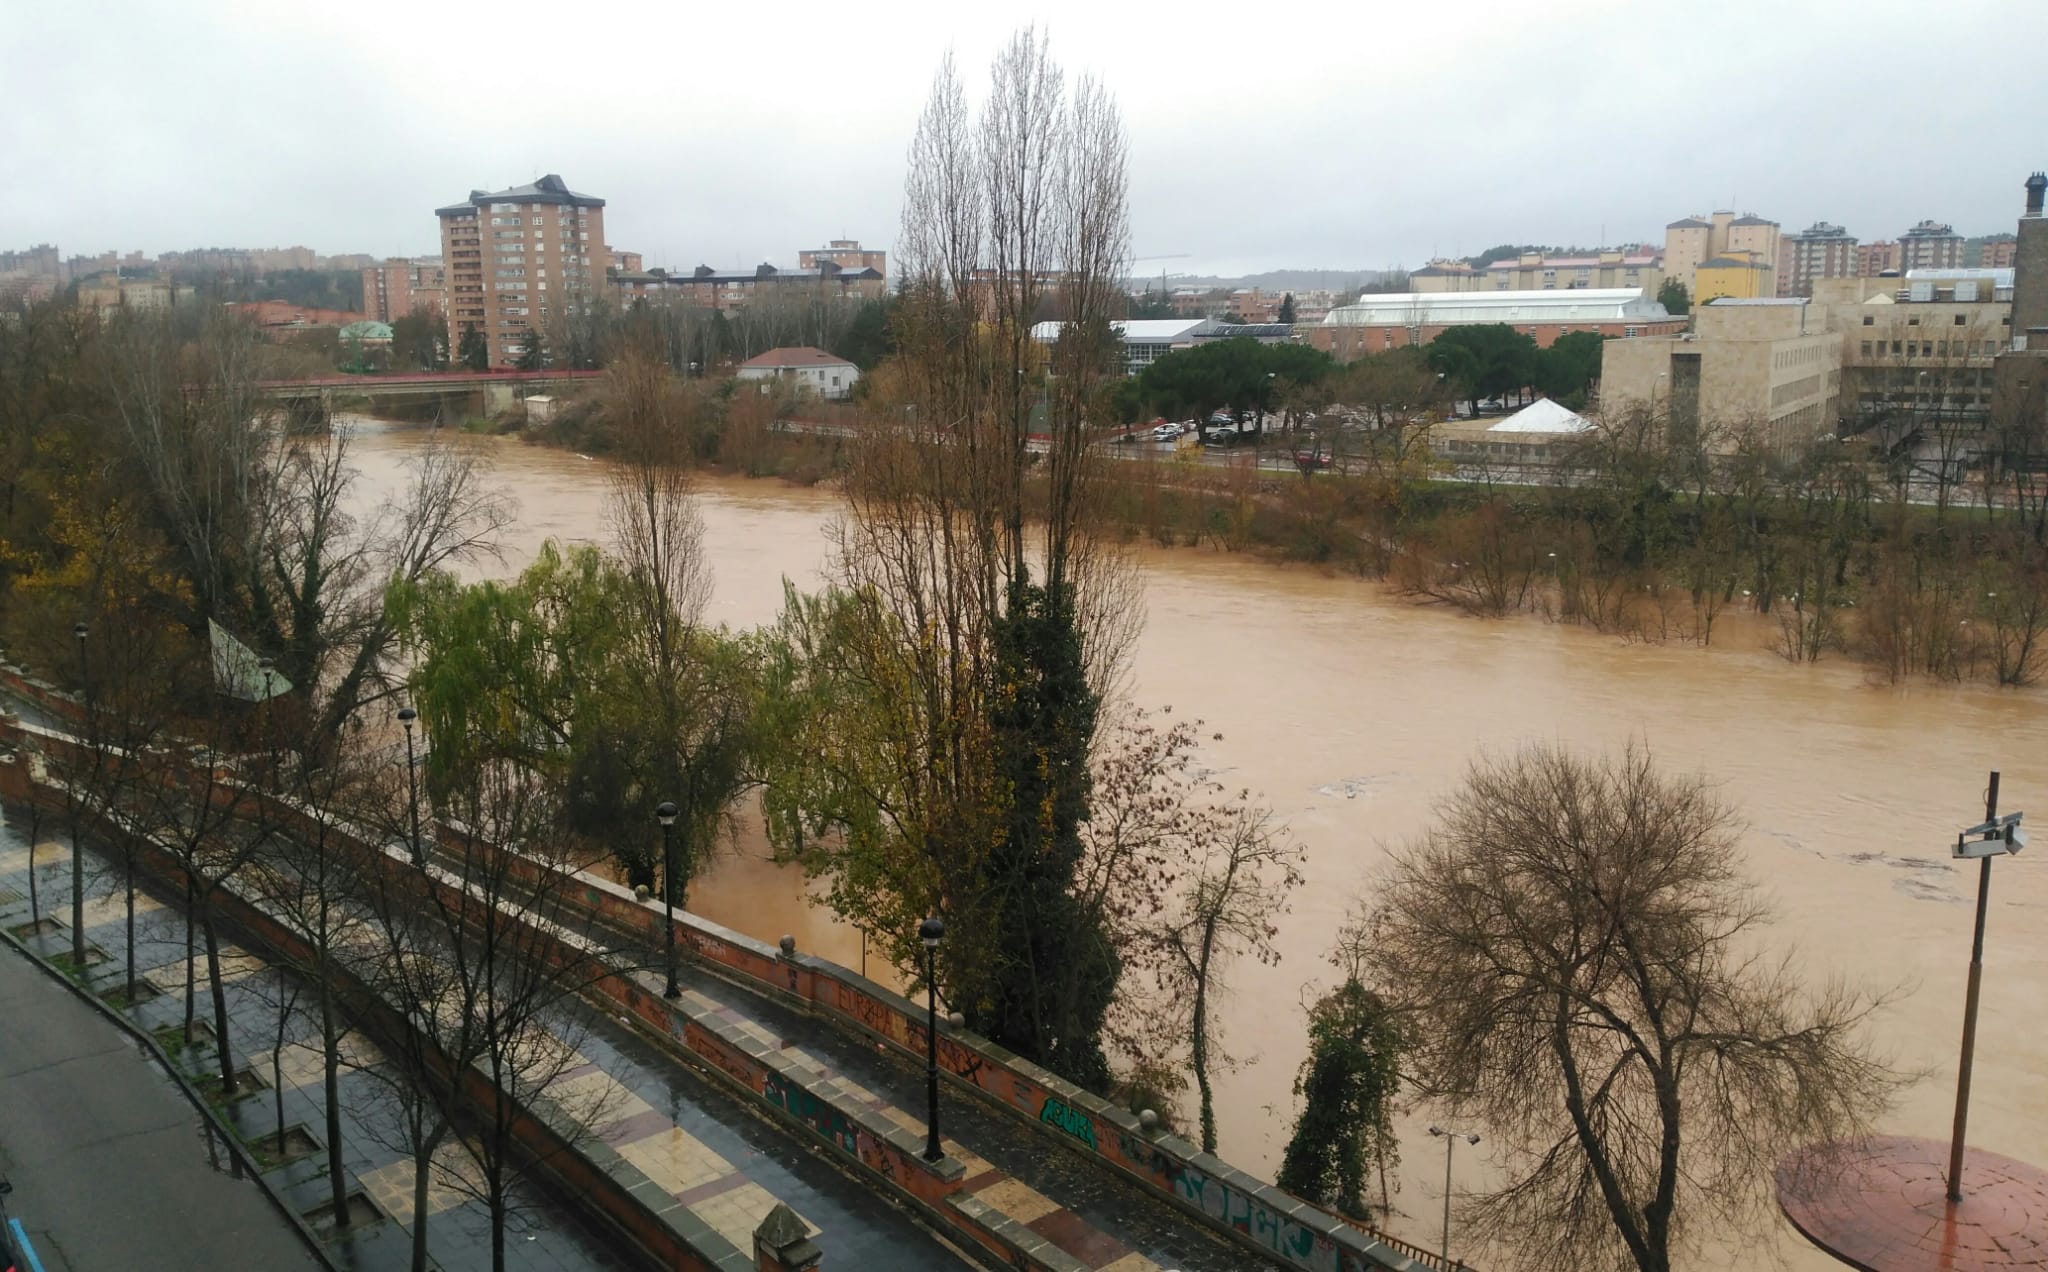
(980, 619)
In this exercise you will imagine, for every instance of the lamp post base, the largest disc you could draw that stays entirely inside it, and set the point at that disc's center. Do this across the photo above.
(1881, 1204)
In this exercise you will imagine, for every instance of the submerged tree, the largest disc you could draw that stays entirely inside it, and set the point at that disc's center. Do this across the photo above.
(1346, 1086)
(1574, 949)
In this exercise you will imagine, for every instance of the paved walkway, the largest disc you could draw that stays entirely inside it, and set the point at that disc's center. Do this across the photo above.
(1094, 1216)
(720, 1158)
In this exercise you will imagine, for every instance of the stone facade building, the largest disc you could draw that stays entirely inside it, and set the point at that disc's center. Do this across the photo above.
(1768, 363)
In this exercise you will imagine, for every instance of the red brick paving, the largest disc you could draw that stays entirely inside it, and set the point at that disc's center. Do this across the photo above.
(1881, 1204)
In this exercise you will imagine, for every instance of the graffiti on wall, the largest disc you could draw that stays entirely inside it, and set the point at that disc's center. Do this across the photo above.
(871, 1013)
(1074, 1122)
(811, 1111)
(1298, 1246)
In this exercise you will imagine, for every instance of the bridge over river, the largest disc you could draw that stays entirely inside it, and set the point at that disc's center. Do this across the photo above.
(312, 402)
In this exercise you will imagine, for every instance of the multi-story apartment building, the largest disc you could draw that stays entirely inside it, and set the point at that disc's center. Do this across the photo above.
(40, 260)
(1931, 245)
(1639, 267)
(708, 288)
(398, 286)
(518, 257)
(1873, 259)
(1694, 240)
(1998, 251)
(1820, 250)
(619, 262)
(846, 254)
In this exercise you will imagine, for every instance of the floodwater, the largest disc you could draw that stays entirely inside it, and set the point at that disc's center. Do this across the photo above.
(1352, 712)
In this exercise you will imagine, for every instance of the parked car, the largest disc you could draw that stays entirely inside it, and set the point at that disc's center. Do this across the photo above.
(1311, 459)
(1165, 432)
(1222, 435)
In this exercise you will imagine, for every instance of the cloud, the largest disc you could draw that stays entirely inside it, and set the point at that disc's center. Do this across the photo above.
(1352, 135)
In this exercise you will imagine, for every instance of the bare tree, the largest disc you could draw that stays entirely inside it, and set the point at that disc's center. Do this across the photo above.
(1580, 965)
(1244, 869)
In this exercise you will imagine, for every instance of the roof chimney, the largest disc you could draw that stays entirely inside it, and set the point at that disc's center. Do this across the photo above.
(2037, 187)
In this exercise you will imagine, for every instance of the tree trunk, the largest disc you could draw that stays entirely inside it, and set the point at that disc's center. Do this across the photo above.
(1201, 1038)
(220, 1006)
(330, 1082)
(77, 901)
(422, 1171)
(128, 869)
(191, 988)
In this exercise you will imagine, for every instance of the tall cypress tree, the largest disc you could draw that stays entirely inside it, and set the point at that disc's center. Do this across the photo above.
(1055, 970)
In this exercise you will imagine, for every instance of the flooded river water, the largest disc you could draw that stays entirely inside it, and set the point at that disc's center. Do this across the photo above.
(1353, 712)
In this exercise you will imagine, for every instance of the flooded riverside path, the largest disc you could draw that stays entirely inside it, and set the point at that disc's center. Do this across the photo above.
(1352, 712)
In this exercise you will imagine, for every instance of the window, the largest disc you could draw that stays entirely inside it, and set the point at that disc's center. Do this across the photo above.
(503, 207)
(1959, 320)
(1869, 320)
(1912, 322)
(1866, 348)
(1895, 349)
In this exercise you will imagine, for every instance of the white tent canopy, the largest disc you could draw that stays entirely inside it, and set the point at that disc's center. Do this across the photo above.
(1543, 416)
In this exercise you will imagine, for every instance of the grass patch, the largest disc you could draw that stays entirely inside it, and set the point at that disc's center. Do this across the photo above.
(118, 995)
(65, 962)
(172, 1038)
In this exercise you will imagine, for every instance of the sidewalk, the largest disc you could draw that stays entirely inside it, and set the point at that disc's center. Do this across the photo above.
(1099, 1221)
(719, 1158)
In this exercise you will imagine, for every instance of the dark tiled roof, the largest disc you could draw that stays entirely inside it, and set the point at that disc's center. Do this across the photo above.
(549, 189)
(1751, 220)
(1689, 223)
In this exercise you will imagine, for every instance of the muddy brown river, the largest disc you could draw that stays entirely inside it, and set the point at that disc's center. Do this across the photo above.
(1353, 712)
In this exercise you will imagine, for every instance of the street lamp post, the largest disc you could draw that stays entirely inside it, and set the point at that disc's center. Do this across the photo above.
(930, 931)
(1450, 1139)
(666, 815)
(92, 732)
(1992, 837)
(406, 715)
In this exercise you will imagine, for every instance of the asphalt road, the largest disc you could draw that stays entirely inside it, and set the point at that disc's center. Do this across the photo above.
(107, 1158)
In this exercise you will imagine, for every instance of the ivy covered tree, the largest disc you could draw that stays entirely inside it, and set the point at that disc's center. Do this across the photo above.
(1287, 308)
(1673, 296)
(1346, 1087)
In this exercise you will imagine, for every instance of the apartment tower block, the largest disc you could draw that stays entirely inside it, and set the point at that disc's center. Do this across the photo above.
(517, 259)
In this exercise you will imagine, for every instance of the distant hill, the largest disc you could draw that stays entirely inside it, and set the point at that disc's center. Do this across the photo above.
(1275, 280)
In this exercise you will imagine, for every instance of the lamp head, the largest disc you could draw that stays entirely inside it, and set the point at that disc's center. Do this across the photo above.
(930, 931)
(78, 630)
(406, 715)
(1438, 1130)
(665, 813)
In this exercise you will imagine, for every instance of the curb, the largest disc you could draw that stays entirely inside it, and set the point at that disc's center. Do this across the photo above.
(198, 1102)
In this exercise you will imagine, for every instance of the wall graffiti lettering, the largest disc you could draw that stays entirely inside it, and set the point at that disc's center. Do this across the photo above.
(811, 1111)
(1068, 1119)
(715, 1051)
(1298, 1246)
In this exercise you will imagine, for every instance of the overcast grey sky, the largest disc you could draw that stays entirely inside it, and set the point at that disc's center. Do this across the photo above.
(1357, 134)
